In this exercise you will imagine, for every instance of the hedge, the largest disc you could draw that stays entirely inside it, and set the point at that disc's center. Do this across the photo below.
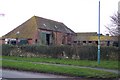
(63, 51)
(6, 49)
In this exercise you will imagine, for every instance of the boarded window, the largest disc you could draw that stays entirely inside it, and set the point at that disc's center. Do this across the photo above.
(43, 38)
(24, 41)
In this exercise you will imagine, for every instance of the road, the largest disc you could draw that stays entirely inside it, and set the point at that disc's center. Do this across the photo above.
(23, 74)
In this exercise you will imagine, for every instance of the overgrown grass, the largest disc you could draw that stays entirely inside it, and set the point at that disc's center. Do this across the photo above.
(70, 71)
(104, 64)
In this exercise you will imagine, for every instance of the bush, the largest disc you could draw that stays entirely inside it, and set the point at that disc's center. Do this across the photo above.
(109, 53)
(83, 52)
(6, 49)
(88, 52)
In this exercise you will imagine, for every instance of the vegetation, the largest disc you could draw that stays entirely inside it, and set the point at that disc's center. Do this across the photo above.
(6, 49)
(104, 64)
(0, 61)
(114, 26)
(71, 52)
(70, 71)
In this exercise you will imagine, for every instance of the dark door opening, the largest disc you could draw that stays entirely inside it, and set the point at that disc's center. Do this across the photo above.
(13, 42)
(48, 39)
(108, 43)
(96, 42)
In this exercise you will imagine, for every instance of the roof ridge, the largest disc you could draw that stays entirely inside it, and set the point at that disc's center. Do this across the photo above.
(47, 19)
(87, 32)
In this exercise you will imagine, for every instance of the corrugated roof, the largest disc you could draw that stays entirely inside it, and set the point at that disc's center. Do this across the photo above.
(28, 28)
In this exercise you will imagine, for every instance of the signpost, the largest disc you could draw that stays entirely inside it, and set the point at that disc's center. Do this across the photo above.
(99, 34)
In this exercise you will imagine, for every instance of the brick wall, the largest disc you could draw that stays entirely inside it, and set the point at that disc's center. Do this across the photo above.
(1, 41)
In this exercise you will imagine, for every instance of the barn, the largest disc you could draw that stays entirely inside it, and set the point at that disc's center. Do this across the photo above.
(38, 30)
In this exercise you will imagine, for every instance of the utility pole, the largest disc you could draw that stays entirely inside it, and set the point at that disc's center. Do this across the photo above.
(99, 34)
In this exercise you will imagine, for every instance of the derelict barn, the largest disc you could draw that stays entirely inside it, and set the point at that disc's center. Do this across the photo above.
(91, 38)
(38, 30)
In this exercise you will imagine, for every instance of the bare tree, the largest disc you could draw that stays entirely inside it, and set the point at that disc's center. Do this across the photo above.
(114, 27)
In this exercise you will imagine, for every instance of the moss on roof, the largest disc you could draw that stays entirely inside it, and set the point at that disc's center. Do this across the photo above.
(26, 30)
(103, 38)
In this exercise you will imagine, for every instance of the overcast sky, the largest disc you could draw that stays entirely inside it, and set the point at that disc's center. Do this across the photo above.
(79, 15)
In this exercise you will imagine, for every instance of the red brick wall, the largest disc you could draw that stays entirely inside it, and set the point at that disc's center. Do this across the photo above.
(59, 38)
(63, 38)
(70, 38)
(33, 40)
(35, 37)
(30, 41)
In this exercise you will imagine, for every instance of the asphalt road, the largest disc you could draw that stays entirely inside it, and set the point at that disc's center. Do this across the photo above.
(23, 74)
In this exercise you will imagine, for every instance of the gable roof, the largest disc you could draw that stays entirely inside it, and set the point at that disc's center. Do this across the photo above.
(28, 28)
(48, 24)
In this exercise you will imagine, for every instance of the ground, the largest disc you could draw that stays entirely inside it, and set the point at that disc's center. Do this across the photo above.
(49, 66)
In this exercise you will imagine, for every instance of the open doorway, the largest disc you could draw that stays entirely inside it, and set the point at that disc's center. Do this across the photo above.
(48, 39)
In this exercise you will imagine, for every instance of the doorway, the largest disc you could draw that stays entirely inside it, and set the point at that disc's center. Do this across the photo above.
(48, 39)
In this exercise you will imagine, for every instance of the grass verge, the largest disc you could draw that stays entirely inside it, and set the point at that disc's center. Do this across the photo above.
(103, 64)
(63, 70)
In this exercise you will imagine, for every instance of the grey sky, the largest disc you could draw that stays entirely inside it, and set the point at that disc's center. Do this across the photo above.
(79, 15)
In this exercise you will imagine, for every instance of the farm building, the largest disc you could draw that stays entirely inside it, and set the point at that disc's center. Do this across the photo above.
(38, 30)
(91, 38)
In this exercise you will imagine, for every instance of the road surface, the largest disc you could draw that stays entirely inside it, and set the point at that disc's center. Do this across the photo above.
(23, 74)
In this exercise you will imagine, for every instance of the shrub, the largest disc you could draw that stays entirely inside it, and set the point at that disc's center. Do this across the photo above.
(6, 49)
(109, 53)
(83, 52)
(88, 52)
